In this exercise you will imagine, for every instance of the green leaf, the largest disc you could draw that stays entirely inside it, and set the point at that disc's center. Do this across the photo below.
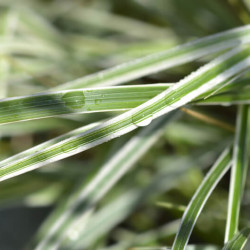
(116, 211)
(163, 60)
(81, 202)
(117, 98)
(204, 79)
(239, 240)
(76, 101)
(199, 199)
(238, 173)
(48, 144)
(227, 98)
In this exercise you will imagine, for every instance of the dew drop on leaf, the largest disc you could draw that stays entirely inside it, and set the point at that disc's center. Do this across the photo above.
(74, 100)
(142, 121)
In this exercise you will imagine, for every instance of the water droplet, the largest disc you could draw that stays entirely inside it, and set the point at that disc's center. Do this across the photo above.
(142, 121)
(74, 100)
(170, 101)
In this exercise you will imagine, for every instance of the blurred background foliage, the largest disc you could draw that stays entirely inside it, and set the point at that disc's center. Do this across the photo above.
(44, 43)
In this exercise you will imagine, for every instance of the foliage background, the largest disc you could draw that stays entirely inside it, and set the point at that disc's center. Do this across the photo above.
(47, 43)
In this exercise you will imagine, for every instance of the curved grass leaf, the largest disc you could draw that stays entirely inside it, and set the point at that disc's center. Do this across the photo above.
(38, 126)
(117, 210)
(114, 213)
(48, 143)
(163, 60)
(238, 173)
(85, 197)
(117, 98)
(239, 240)
(204, 79)
(111, 215)
(76, 101)
(227, 98)
(199, 199)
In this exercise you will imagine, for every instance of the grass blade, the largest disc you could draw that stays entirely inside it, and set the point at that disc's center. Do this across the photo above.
(239, 240)
(111, 215)
(117, 98)
(199, 199)
(204, 79)
(47, 144)
(238, 173)
(163, 60)
(87, 196)
(76, 101)
(227, 98)
(116, 211)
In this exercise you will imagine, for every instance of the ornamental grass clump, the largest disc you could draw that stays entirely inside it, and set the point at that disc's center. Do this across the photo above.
(124, 124)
